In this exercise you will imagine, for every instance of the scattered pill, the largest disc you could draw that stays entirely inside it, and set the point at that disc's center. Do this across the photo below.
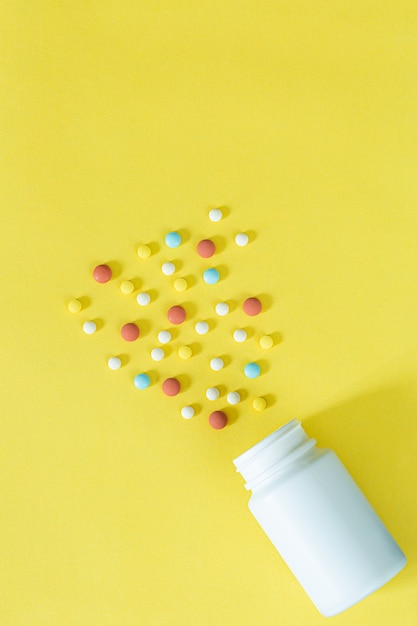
(240, 335)
(143, 298)
(233, 397)
(168, 268)
(201, 328)
(74, 306)
(144, 252)
(252, 370)
(102, 273)
(141, 381)
(127, 287)
(222, 309)
(114, 363)
(176, 314)
(173, 240)
(89, 327)
(212, 393)
(185, 352)
(164, 336)
(259, 404)
(171, 386)
(241, 239)
(206, 248)
(215, 215)
(130, 331)
(187, 412)
(266, 342)
(218, 420)
(180, 284)
(211, 276)
(157, 354)
(216, 364)
(252, 306)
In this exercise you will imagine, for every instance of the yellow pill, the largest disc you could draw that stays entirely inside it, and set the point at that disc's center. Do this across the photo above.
(144, 252)
(74, 306)
(259, 404)
(127, 287)
(180, 284)
(266, 342)
(185, 352)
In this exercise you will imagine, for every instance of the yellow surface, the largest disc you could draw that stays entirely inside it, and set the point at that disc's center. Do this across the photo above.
(120, 122)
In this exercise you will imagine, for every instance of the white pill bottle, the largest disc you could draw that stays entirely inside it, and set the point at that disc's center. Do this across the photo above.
(318, 519)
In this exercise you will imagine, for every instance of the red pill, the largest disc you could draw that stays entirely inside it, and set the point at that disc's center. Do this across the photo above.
(252, 306)
(176, 314)
(102, 273)
(130, 332)
(206, 248)
(217, 420)
(171, 386)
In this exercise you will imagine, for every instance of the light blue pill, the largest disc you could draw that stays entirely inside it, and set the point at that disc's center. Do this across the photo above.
(252, 370)
(173, 240)
(211, 276)
(141, 381)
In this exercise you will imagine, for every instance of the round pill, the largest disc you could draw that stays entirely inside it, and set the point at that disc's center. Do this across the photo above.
(211, 276)
(233, 397)
(218, 420)
(168, 268)
(89, 328)
(185, 352)
(127, 287)
(222, 309)
(216, 364)
(215, 215)
(114, 363)
(157, 354)
(201, 328)
(130, 331)
(240, 335)
(164, 336)
(143, 298)
(206, 248)
(176, 314)
(252, 370)
(266, 342)
(252, 306)
(144, 252)
(102, 273)
(74, 306)
(259, 404)
(241, 239)
(173, 239)
(180, 284)
(212, 393)
(141, 381)
(187, 412)
(171, 386)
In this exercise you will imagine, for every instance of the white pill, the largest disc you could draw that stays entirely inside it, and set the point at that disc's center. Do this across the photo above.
(217, 364)
(89, 328)
(164, 336)
(212, 393)
(114, 363)
(201, 328)
(187, 412)
(143, 298)
(157, 354)
(215, 215)
(222, 308)
(168, 268)
(233, 397)
(241, 239)
(240, 335)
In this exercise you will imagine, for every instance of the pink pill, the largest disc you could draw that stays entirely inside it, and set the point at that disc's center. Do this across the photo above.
(102, 273)
(176, 314)
(171, 386)
(206, 248)
(252, 306)
(130, 332)
(217, 420)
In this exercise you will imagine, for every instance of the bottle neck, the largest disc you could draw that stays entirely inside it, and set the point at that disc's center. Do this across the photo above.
(273, 453)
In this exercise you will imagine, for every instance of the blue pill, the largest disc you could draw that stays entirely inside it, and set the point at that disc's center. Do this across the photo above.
(252, 370)
(211, 276)
(173, 240)
(141, 381)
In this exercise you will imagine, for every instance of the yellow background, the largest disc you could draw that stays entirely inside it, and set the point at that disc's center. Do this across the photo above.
(121, 121)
